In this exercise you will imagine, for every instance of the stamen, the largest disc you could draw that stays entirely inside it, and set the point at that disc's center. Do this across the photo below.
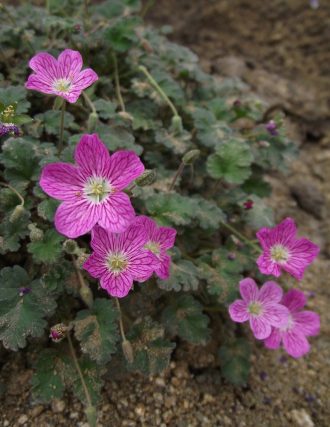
(117, 262)
(97, 189)
(62, 85)
(154, 247)
(279, 253)
(255, 308)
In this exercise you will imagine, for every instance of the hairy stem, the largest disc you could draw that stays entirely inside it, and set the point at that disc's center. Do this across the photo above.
(85, 292)
(60, 143)
(121, 324)
(89, 102)
(117, 83)
(177, 175)
(241, 237)
(4, 184)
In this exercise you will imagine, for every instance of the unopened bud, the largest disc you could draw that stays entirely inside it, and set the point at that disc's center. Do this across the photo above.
(76, 29)
(70, 247)
(176, 124)
(190, 157)
(148, 177)
(23, 291)
(126, 116)
(81, 259)
(57, 332)
(128, 351)
(91, 416)
(35, 233)
(17, 213)
(86, 295)
(263, 144)
(91, 122)
(231, 256)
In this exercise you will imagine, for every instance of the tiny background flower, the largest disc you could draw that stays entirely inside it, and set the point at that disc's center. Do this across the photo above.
(119, 259)
(62, 77)
(160, 239)
(300, 324)
(282, 250)
(260, 306)
(91, 190)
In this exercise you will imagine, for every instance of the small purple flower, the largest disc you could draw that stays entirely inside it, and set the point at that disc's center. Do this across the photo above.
(9, 129)
(271, 127)
(314, 4)
(24, 291)
(91, 190)
(62, 77)
(300, 324)
(260, 306)
(118, 259)
(160, 239)
(248, 204)
(282, 250)
(57, 332)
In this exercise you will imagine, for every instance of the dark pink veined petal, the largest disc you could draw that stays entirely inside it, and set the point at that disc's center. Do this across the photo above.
(274, 340)
(116, 213)
(36, 82)
(165, 236)
(61, 181)
(69, 64)
(45, 66)
(103, 241)
(125, 166)
(147, 223)
(260, 327)
(270, 292)
(163, 269)
(295, 343)
(307, 322)
(302, 253)
(117, 285)
(84, 79)
(73, 219)
(248, 289)
(133, 240)
(294, 299)
(238, 311)
(267, 266)
(95, 265)
(92, 156)
(71, 96)
(142, 265)
(282, 233)
(275, 314)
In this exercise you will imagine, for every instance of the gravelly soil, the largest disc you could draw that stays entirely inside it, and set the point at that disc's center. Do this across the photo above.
(280, 49)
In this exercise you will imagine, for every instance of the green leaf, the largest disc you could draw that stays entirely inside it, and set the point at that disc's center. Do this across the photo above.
(97, 330)
(184, 276)
(47, 209)
(16, 96)
(235, 361)
(12, 232)
(260, 215)
(118, 138)
(184, 317)
(151, 350)
(23, 306)
(122, 34)
(231, 162)
(177, 143)
(50, 121)
(105, 109)
(47, 250)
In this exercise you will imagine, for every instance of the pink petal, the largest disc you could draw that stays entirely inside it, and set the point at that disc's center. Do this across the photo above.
(69, 63)
(104, 241)
(134, 239)
(302, 253)
(95, 265)
(248, 289)
(141, 265)
(125, 166)
(283, 233)
(117, 285)
(238, 311)
(73, 219)
(267, 266)
(92, 156)
(165, 236)
(270, 291)
(116, 213)
(61, 181)
(45, 65)
(36, 82)
(307, 322)
(294, 299)
(260, 327)
(274, 340)
(295, 343)
(84, 79)
(275, 314)
(163, 269)
(71, 96)
(148, 223)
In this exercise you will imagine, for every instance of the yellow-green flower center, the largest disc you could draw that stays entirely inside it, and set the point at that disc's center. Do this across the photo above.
(154, 247)
(62, 85)
(117, 262)
(279, 253)
(255, 308)
(97, 189)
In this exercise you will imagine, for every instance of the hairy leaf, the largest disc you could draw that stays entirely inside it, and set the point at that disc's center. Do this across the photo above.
(47, 250)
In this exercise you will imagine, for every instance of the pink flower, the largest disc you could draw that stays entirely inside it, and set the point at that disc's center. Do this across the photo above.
(282, 250)
(300, 324)
(260, 306)
(91, 190)
(159, 240)
(118, 259)
(62, 77)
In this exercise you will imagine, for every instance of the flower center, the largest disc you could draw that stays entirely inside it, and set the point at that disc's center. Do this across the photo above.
(279, 253)
(117, 262)
(62, 85)
(97, 189)
(255, 308)
(154, 247)
(289, 324)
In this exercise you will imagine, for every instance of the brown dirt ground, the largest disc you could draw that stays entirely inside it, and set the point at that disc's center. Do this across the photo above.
(281, 49)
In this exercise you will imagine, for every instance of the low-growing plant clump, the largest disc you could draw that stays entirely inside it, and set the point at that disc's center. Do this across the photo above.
(132, 189)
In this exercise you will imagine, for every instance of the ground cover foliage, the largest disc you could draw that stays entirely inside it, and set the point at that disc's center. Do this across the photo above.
(206, 153)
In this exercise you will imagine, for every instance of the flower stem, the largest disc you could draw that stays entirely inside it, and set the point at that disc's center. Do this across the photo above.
(241, 237)
(60, 143)
(121, 324)
(81, 376)
(159, 89)
(177, 175)
(89, 102)
(4, 184)
(146, 8)
(84, 291)
(117, 83)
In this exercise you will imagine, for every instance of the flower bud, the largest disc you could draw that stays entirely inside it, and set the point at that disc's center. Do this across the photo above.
(91, 415)
(23, 291)
(271, 127)
(190, 157)
(86, 295)
(70, 247)
(148, 177)
(91, 122)
(17, 213)
(128, 351)
(57, 332)
(176, 124)
(248, 204)
(126, 116)
(81, 259)
(35, 233)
